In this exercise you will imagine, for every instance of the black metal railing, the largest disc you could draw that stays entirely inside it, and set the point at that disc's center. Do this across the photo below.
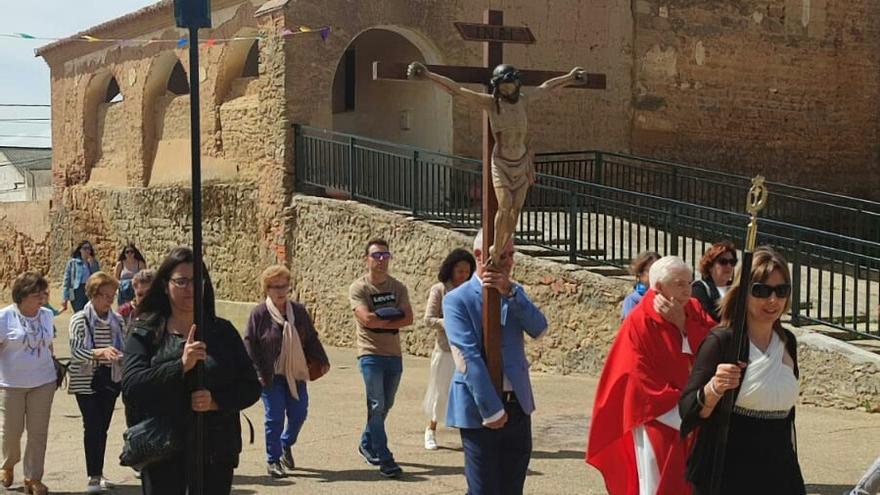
(820, 210)
(586, 222)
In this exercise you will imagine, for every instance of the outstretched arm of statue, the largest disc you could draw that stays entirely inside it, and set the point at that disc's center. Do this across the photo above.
(576, 76)
(418, 72)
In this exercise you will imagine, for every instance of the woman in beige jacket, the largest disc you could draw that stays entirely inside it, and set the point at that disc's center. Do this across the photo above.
(457, 268)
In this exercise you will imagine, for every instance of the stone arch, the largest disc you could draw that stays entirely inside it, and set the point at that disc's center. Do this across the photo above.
(104, 129)
(239, 66)
(415, 114)
(166, 88)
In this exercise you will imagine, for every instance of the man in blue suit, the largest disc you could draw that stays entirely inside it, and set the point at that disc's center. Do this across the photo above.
(496, 431)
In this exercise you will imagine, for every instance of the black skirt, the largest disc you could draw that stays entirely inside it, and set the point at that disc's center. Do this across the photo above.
(760, 459)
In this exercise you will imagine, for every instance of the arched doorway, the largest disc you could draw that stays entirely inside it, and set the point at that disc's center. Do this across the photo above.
(104, 130)
(401, 112)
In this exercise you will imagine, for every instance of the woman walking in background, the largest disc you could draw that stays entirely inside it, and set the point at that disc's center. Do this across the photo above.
(639, 269)
(96, 342)
(128, 264)
(27, 380)
(716, 274)
(81, 265)
(455, 270)
(284, 346)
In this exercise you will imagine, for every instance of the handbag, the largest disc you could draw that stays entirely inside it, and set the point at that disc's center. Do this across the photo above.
(60, 370)
(150, 441)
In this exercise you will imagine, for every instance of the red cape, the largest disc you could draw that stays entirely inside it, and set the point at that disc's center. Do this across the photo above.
(643, 378)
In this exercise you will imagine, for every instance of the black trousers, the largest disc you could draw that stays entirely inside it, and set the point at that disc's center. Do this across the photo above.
(97, 411)
(172, 477)
(496, 461)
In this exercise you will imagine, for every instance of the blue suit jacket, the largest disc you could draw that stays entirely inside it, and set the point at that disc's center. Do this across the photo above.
(472, 397)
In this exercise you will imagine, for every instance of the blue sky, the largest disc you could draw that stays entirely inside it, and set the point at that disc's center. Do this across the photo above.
(25, 78)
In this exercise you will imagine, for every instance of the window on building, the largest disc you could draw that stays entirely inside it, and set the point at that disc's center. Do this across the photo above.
(113, 95)
(252, 63)
(177, 82)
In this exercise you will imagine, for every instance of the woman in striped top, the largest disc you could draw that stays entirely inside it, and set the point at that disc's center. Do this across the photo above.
(96, 341)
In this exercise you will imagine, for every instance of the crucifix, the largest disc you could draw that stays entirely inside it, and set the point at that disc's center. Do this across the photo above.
(508, 166)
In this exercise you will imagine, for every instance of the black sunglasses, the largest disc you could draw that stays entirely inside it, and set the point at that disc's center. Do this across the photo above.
(763, 291)
(726, 261)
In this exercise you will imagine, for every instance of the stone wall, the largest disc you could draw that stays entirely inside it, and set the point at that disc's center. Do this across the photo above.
(583, 308)
(780, 87)
(24, 231)
(158, 219)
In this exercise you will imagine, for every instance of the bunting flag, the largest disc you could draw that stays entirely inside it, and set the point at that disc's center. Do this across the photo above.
(182, 42)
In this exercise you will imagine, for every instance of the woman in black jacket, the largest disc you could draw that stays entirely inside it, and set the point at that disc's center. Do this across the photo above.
(760, 456)
(716, 274)
(157, 380)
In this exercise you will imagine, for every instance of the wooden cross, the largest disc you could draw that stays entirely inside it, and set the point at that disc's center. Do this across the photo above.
(494, 35)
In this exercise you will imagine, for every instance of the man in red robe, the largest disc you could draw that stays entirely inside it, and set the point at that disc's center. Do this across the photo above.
(634, 436)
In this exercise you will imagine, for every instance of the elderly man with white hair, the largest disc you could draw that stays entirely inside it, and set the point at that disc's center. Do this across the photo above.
(634, 435)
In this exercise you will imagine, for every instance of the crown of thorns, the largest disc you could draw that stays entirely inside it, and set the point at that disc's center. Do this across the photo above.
(504, 74)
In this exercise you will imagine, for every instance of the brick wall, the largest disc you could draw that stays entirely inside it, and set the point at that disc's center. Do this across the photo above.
(784, 88)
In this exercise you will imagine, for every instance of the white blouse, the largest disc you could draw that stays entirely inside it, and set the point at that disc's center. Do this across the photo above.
(769, 384)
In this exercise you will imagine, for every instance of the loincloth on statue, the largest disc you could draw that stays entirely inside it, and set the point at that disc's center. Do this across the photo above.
(512, 174)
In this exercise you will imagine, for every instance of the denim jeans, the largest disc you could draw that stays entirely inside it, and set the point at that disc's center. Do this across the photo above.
(280, 404)
(381, 378)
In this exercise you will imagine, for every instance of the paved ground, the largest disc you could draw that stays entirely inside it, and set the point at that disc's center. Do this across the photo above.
(835, 446)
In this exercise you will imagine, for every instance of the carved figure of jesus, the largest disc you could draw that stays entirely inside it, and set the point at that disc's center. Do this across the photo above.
(513, 167)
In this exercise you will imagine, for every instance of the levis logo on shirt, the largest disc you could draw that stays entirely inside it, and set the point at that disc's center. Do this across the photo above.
(383, 299)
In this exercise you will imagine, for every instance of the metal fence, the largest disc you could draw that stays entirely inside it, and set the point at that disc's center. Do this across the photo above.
(585, 222)
(852, 217)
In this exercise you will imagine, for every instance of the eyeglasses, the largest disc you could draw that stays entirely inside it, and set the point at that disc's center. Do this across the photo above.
(129, 251)
(726, 261)
(763, 291)
(278, 287)
(380, 255)
(182, 282)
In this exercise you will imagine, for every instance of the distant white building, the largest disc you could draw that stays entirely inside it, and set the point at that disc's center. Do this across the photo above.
(25, 174)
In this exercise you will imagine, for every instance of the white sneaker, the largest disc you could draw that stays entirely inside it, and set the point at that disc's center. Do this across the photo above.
(430, 443)
(94, 485)
(107, 484)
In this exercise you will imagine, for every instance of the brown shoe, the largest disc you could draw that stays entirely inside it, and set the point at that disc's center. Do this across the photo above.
(35, 487)
(6, 477)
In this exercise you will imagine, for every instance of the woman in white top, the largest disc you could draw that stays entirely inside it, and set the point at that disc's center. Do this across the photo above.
(455, 270)
(716, 274)
(96, 342)
(27, 379)
(760, 457)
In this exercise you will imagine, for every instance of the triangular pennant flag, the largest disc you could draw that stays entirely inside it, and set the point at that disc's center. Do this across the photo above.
(25, 36)
(325, 32)
(181, 43)
(89, 38)
(286, 32)
(210, 43)
(305, 29)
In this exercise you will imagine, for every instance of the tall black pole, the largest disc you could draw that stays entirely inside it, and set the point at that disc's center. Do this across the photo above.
(198, 477)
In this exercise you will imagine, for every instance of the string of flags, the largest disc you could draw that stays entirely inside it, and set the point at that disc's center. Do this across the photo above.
(182, 42)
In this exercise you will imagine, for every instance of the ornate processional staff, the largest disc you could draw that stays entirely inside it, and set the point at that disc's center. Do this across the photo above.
(739, 351)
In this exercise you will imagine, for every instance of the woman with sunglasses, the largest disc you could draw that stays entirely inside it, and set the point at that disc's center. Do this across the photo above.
(128, 264)
(760, 456)
(81, 265)
(716, 272)
(158, 380)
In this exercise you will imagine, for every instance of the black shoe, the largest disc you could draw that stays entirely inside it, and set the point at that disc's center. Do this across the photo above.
(275, 470)
(369, 457)
(287, 459)
(390, 469)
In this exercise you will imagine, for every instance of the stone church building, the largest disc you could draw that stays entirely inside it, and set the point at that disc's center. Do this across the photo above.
(785, 87)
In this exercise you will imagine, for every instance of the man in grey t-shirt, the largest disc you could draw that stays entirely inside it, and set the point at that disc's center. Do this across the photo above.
(381, 308)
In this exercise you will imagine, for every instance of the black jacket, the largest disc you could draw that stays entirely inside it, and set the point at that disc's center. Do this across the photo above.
(709, 356)
(705, 291)
(153, 383)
